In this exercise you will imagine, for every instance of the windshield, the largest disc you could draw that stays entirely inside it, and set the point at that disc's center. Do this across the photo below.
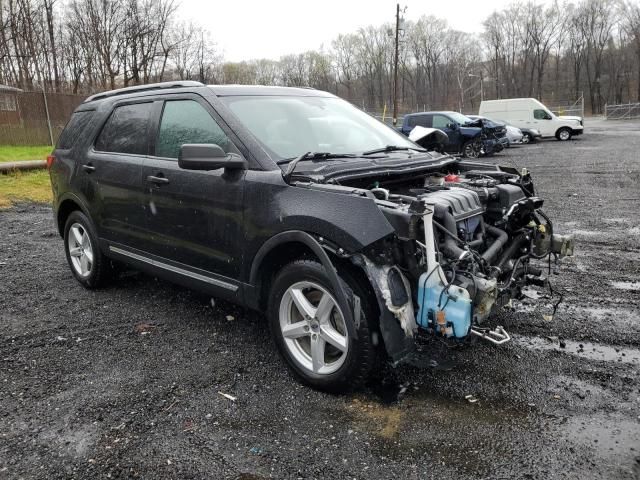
(459, 118)
(290, 126)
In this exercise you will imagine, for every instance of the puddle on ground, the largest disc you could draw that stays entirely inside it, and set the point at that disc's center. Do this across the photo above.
(613, 439)
(588, 350)
(626, 285)
(423, 424)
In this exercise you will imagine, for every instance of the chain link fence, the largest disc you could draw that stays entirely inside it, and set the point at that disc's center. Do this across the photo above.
(34, 118)
(622, 112)
(575, 108)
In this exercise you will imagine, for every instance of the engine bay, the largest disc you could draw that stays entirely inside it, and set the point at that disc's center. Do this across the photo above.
(465, 239)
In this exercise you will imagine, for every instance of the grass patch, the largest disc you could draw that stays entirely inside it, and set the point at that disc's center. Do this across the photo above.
(25, 186)
(13, 153)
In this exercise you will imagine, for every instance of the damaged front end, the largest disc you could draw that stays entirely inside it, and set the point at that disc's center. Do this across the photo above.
(466, 236)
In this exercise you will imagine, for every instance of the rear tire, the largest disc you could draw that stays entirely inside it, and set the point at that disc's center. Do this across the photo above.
(563, 134)
(90, 267)
(320, 346)
(526, 138)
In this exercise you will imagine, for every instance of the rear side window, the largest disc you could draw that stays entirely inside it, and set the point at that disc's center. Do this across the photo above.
(126, 130)
(419, 121)
(73, 130)
(186, 121)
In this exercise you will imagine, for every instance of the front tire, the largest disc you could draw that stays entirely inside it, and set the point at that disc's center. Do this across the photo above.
(526, 138)
(563, 134)
(87, 263)
(320, 346)
(470, 150)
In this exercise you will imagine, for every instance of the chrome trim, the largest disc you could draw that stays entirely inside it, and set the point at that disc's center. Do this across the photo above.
(171, 268)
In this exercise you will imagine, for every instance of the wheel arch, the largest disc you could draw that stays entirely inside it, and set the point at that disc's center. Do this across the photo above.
(560, 129)
(65, 208)
(284, 248)
(292, 245)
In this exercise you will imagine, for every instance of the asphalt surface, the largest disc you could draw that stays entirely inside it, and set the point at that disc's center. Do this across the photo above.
(126, 381)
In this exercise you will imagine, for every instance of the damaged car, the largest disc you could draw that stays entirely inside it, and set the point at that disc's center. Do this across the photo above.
(349, 237)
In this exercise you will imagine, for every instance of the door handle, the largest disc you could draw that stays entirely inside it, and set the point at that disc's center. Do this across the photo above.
(88, 168)
(157, 180)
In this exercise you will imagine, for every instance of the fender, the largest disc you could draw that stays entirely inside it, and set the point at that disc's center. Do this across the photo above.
(75, 199)
(316, 248)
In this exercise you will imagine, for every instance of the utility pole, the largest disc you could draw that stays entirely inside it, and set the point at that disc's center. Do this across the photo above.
(395, 69)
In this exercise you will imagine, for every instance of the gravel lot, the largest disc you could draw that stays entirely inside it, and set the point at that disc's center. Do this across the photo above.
(125, 381)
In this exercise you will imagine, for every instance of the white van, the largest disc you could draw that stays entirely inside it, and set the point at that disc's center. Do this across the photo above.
(530, 113)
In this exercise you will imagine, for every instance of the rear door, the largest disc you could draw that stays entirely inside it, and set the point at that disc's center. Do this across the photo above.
(112, 174)
(415, 121)
(195, 218)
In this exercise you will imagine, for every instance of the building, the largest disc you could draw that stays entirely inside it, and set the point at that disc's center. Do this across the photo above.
(9, 109)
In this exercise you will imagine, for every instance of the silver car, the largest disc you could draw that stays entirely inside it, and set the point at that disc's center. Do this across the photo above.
(514, 135)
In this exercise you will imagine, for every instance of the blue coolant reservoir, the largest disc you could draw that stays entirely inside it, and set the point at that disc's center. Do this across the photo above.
(455, 303)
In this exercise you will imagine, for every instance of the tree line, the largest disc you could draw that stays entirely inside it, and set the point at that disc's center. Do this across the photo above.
(554, 51)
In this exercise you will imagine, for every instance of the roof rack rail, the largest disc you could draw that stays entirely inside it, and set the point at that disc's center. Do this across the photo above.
(143, 88)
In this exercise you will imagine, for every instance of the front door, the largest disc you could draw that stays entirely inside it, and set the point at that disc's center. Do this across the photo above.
(448, 126)
(195, 218)
(543, 122)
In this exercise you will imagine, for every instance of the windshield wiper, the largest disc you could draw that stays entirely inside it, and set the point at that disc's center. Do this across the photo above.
(391, 148)
(315, 156)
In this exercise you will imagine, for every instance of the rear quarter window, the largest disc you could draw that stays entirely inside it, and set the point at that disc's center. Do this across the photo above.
(74, 129)
(126, 131)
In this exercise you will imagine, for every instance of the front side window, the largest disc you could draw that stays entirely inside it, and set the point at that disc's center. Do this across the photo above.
(288, 126)
(126, 130)
(541, 114)
(186, 121)
(440, 121)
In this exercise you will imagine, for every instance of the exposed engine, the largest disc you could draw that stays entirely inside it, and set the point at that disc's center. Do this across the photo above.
(466, 239)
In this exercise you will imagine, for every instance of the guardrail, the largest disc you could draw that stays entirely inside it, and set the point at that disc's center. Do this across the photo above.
(622, 111)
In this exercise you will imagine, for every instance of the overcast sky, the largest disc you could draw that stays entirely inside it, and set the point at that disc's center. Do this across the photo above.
(246, 29)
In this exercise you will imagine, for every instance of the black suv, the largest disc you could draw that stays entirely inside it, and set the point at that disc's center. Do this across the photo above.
(293, 202)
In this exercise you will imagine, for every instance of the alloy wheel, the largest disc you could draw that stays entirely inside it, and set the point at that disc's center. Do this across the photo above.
(470, 151)
(313, 328)
(80, 250)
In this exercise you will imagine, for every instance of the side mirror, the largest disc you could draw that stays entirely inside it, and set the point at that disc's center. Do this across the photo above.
(452, 126)
(208, 156)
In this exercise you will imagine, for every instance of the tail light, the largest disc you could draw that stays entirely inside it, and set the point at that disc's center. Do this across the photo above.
(50, 160)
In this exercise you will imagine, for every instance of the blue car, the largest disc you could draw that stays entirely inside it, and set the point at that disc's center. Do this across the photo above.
(467, 137)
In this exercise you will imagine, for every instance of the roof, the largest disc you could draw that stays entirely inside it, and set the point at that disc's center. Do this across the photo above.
(262, 90)
(143, 88)
(218, 90)
(7, 89)
(443, 112)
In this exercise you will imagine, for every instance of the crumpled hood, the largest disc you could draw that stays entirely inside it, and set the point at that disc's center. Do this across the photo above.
(429, 134)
